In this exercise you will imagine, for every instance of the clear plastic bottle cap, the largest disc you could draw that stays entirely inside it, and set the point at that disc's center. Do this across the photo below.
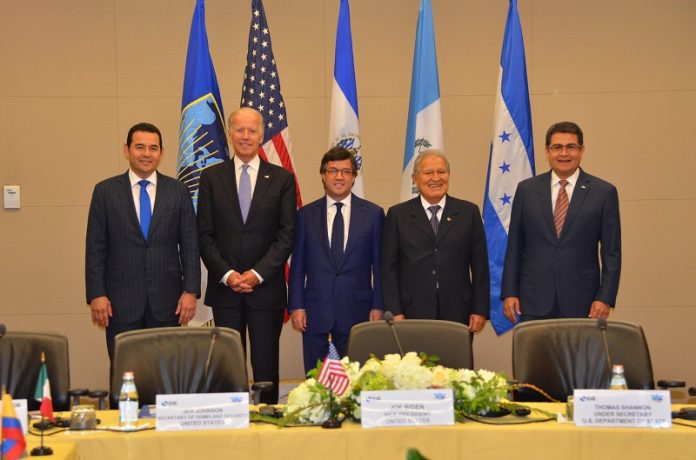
(128, 375)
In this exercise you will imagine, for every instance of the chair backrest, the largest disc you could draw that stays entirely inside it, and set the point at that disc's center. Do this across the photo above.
(448, 340)
(171, 360)
(20, 362)
(561, 355)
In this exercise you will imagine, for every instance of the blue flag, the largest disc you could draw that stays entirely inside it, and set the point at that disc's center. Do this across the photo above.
(202, 140)
(343, 126)
(511, 156)
(424, 129)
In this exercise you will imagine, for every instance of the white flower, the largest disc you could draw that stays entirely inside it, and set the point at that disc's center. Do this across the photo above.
(389, 364)
(301, 398)
(440, 377)
(410, 376)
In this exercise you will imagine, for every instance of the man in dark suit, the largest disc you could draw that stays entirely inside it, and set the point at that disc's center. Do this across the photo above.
(142, 266)
(562, 223)
(246, 226)
(335, 275)
(434, 256)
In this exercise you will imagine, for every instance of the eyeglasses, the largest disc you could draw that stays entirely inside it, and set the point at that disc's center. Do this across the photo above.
(572, 149)
(333, 172)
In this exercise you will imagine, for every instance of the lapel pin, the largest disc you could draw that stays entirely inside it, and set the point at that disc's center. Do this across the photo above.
(449, 219)
(583, 187)
(268, 177)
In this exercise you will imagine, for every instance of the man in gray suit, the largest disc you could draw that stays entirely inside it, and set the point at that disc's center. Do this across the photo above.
(562, 224)
(142, 266)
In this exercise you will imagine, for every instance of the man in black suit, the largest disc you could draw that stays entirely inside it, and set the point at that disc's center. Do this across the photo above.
(142, 265)
(434, 256)
(562, 223)
(246, 226)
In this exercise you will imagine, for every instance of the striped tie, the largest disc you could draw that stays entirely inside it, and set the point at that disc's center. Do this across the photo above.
(434, 222)
(561, 210)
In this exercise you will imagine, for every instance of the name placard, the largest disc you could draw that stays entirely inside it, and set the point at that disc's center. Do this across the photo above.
(211, 411)
(624, 408)
(406, 408)
(20, 406)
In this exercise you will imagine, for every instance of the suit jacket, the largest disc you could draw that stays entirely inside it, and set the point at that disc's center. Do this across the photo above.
(130, 270)
(330, 294)
(415, 262)
(263, 243)
(540, 266)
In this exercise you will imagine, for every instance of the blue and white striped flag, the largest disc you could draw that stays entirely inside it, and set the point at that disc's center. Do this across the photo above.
(343, 127)
(511, 156)
(424, 130)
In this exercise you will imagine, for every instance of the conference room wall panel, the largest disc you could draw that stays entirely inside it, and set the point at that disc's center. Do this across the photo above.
(79, 73)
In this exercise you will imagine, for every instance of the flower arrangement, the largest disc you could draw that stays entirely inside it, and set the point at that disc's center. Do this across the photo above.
(475, 392)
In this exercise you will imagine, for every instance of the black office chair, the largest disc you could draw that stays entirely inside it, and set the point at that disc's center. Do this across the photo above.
(448, 340)
(561, 355)
(172, 360)
(20, 362)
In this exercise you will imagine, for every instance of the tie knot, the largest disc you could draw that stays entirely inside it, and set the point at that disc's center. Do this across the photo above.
(339, 205)
(434, 209)
(563, 183)
(143, 183)
(245, 167)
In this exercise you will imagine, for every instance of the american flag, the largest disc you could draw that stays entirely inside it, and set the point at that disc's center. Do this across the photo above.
(332, 374)
(261, 90)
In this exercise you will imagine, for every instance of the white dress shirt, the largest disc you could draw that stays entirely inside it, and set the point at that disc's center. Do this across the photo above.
(426, 205)
(331, 215)
(556, 186)
(135, 189)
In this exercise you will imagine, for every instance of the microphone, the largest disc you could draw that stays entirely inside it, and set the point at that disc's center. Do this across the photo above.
(214, 333)
(3, 330)
(602, 325)
(389, 318)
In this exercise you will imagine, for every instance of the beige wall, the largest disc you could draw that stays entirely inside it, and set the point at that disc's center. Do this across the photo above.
(77, 73)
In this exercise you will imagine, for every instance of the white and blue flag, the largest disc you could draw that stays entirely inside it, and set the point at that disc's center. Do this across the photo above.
(424, 130)
(511, 156)
(343, 126)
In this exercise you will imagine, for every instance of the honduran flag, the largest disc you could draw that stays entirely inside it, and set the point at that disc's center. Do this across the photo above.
(511, 156)
(424, 129)
(13, 443)
(343, 126)
(42, 393)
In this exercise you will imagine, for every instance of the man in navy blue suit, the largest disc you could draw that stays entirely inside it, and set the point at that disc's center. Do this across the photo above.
(563, 223)
(335, 271)
(142, 265)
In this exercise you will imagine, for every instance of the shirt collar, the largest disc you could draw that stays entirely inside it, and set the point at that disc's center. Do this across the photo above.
(572, 180)
(134, 178)
(346, 201)
(254, 162)
(426, 204)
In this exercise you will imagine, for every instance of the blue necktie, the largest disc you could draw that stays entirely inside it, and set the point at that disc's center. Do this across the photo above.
(337, 235)
(244, 192)
(145, 208)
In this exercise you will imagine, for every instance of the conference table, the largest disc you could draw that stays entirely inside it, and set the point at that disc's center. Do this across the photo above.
(469, 440)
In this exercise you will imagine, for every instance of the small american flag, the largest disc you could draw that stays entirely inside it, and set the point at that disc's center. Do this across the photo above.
(261, 91)
(332, 374)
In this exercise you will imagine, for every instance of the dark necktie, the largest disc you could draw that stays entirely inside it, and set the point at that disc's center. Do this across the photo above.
(244, 192)
(145, 208)
(434, 222)
(337, 235)
(561, 210)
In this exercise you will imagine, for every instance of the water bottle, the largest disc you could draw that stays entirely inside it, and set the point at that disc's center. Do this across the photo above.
(618, 380)
(128, 402)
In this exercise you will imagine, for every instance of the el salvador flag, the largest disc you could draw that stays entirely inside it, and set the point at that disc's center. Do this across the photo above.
(424, 130)
(511, 155)
(202, 140)
(343, 126)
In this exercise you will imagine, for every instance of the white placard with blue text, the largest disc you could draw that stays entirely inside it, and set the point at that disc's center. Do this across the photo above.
(211, 411)
(406, 408)
(20, 406)
(623, 408)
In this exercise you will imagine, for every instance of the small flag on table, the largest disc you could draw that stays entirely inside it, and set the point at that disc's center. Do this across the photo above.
(13, 443)
(332, 374)
(42, 393)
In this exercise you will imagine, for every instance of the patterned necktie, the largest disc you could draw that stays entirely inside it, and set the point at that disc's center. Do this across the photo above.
(561, 210)
(434, 222)
(337, 235)
(145, 208)
(244, 192)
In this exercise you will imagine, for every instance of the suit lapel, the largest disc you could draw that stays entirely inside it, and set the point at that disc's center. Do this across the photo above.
(320, 226)
(544, 189)
(162, 197)
(125, 193)
(229, 180)
(450, 216)
(579, 193)
(419, 217)
(357, 221)
(263, 181)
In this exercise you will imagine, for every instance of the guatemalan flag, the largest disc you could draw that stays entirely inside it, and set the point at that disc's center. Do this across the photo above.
(202, 137)
(343, 127)
(424, 130)
(511, 155)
